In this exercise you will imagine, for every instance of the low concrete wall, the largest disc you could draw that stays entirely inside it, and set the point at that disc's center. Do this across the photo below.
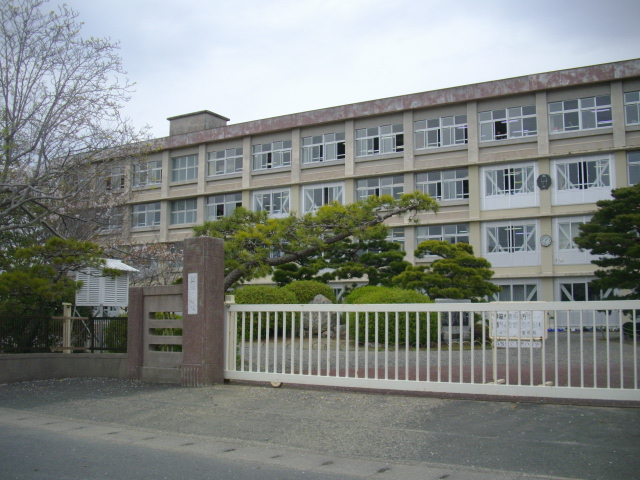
(44, 366)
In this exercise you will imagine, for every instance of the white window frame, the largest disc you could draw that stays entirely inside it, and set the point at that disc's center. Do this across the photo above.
(585, 179)
(328, 192)
(268, 156)
(266, 200)
(452, 233)
(444, 185)
(529, 289)
(441, 132)
(565, 250)
(228, 202)
(633, 167)
(145, 215)
(565, 290)
(184, 168)
(323, 148)
(511, 243)
(588, 113)
(377, 186)
(507, 123)
(510, 185)
(146, 174)
(632, 108)
(379, 140)
(184, 212)
(224, 162)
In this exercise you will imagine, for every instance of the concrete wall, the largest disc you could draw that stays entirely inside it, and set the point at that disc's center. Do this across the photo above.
(45, 366)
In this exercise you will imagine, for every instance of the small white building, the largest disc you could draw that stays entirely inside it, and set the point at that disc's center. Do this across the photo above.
(98, 290)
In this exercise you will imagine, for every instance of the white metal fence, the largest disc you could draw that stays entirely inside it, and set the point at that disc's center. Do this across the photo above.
(586, 350)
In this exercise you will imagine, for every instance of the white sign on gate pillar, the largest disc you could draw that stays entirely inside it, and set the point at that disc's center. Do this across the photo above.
(192, 293)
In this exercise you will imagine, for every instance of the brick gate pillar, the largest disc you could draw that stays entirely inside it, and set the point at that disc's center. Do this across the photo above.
(203, 312)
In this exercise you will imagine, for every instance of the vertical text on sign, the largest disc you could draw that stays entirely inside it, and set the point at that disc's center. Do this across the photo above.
(192, 293)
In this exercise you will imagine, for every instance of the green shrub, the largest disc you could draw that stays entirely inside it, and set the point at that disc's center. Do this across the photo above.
(264, 294)
(377, 295)
(306, 290)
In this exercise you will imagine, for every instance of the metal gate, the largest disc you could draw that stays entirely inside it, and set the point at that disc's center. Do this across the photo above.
(585, 350)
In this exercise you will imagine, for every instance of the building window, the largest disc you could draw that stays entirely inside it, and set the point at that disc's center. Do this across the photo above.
(511, 238)
(565, 249)
(114, 178)
(444, 185)
(441, 132)
(275, 202)
(582, 180)
(370, 187)
(457, 233)
(633, 163)
(396, 235)
(509, 180)
(509, 186)
(516, 292)
(581, 291)
(184, 168)
(580, 114)
(379, 140)
(632, 107)
(323, 148)
(224, 162)
(272, 155)
(583, 174)
(146, 174)
(110, 219)
(567, 231)
(511, 243)
(514, 122)
(315, 196)
(184, 211)
(219, 206)
(145, 215)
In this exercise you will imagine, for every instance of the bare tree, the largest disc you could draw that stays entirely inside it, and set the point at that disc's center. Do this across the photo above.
(60, 118)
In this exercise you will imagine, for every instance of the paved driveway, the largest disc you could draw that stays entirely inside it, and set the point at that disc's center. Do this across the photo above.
(369, 435)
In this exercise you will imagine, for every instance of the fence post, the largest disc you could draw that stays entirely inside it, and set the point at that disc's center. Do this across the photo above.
(92, 327)
(203, 312)
(66, 326)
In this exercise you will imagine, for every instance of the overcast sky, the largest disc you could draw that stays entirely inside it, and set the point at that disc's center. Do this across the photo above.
(252, 59)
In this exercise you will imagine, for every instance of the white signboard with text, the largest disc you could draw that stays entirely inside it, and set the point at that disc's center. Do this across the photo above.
(514, 325)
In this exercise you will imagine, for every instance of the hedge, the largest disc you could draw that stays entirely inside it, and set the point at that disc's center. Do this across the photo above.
(264, 294)
(397, 322)
(306, 290)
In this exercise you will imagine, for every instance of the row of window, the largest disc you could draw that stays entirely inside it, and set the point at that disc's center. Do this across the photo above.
(506, 237)
(501, 124)
(577, 180)
(567, 290)
(572, 289)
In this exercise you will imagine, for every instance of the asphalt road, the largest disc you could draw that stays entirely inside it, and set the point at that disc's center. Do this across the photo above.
(126, 425)
(31, 453)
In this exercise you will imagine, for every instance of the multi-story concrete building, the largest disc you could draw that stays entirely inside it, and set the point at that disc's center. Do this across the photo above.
(516, 164)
